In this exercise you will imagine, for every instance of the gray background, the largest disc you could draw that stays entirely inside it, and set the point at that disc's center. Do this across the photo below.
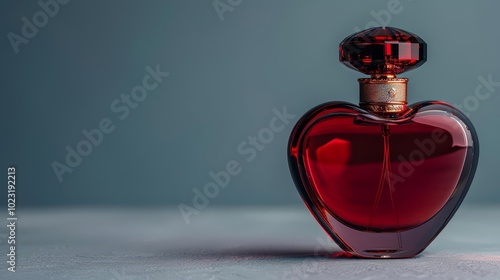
(226, 77)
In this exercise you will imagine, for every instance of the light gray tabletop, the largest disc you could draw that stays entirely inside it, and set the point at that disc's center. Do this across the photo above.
(231, 243)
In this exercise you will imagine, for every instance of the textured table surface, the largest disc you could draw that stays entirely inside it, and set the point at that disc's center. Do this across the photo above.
(231, 243)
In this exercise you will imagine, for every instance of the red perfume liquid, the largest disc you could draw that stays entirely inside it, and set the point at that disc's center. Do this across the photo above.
(383, 187)
(375, 177)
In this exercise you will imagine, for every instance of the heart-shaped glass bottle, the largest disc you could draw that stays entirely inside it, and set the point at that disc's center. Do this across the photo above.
(383, 179)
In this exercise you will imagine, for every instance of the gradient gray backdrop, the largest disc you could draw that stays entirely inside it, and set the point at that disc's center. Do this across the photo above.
(226, 76)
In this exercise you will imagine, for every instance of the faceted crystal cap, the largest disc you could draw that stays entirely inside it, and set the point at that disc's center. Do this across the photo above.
(383, 51)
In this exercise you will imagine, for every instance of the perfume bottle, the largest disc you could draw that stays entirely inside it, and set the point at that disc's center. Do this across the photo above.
(383, 178)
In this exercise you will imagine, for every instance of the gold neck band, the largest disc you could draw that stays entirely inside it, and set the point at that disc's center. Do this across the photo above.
(383, 95)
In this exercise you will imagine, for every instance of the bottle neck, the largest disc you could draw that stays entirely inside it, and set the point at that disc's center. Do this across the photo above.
(384, 95)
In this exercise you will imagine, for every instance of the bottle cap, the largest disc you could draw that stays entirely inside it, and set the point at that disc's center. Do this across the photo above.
(383, 51)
